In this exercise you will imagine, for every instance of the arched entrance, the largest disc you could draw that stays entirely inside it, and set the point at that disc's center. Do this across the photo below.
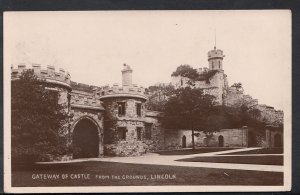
(221, 141)
(85, 139)
(277, 140)
(251, 139)
(184, 141)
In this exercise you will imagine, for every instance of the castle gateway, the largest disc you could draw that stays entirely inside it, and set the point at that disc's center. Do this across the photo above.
(114, 121)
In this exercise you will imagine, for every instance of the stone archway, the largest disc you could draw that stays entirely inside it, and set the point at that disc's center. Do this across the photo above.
(85, 139)
(221, 141)
(277, 140)
(184, 141)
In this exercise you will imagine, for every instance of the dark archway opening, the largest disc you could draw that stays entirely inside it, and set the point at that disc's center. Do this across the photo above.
(251, 139)
(277, 140)
(85, 140)
(183, 141)
(221, 141)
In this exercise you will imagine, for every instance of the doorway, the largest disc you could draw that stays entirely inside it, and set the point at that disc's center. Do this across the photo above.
(85, 140)
(183, 141)
(221, 141)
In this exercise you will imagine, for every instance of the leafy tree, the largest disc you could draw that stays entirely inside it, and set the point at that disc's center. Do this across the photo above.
(238, 86)
(158, 96)
(37, 120)
(193, 74)
(186, 71)
(188, 108)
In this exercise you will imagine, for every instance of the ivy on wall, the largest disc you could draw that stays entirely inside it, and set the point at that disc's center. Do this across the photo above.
(193, 74)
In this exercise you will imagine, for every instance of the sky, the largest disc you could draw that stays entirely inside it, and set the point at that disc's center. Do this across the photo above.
(94, 45)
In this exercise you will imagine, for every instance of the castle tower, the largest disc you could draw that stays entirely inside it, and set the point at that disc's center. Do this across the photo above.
(126, 75)
(215, 59)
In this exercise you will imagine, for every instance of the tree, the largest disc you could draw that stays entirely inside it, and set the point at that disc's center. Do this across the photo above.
(238, 86)
(188, 108)
(158, 96)
(186, 71)
(37, 120)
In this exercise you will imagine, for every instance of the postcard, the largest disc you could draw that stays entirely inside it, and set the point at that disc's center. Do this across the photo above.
(147, 101)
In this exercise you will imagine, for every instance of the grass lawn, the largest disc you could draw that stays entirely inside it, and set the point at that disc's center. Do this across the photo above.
(196, 151)
(260, 151)
(101, 175)
(261, 160)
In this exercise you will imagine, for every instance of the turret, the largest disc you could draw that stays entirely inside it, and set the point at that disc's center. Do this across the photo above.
(126, 75)
(215, 59)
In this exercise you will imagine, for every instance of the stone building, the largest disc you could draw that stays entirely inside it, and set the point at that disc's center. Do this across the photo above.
(113, 120)
(129, 128)
(213, 81)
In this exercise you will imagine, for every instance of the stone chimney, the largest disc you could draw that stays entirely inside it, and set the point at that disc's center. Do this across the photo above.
(126, 75)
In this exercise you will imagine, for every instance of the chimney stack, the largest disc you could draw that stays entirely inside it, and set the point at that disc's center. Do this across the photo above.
(126, 75)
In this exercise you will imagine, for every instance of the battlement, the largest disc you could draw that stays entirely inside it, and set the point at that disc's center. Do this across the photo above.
(202, 70)
(84, 99)
(122, 91)
(60, 77)
(83, 87)
(216, 53)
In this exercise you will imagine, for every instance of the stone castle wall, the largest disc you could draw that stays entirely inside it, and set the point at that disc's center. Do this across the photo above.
(131, 146)
(216, 85)
(157, 141)
(131, 121)
(237, 98)
(232, 138)
(49, 74)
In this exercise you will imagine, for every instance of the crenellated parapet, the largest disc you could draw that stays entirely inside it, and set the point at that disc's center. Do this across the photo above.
(60, 77)
(85, 100)
(122, 91)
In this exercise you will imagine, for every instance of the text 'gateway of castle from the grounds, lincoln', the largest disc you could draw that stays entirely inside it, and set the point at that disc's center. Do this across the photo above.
(135, 129)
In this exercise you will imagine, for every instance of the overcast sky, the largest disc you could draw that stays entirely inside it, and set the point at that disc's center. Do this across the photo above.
(93, 46)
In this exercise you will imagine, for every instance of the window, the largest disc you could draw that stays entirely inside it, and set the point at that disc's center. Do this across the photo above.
(139, 133)
(139, 109)
(148, 128)
(181, 81)
(121, 108)
(122, 133)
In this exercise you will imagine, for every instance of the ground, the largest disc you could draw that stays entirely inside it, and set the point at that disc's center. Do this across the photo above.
(150, 170)
(191, 151)
(261, 151)
(262, 160)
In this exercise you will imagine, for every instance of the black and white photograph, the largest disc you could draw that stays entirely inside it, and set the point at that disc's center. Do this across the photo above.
(147, 101)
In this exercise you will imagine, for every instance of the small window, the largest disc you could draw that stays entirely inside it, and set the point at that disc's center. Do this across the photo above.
(148, 128)
(139, 133)
(181, 81)
(139, 109)
(122, 133)
(121, 108)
